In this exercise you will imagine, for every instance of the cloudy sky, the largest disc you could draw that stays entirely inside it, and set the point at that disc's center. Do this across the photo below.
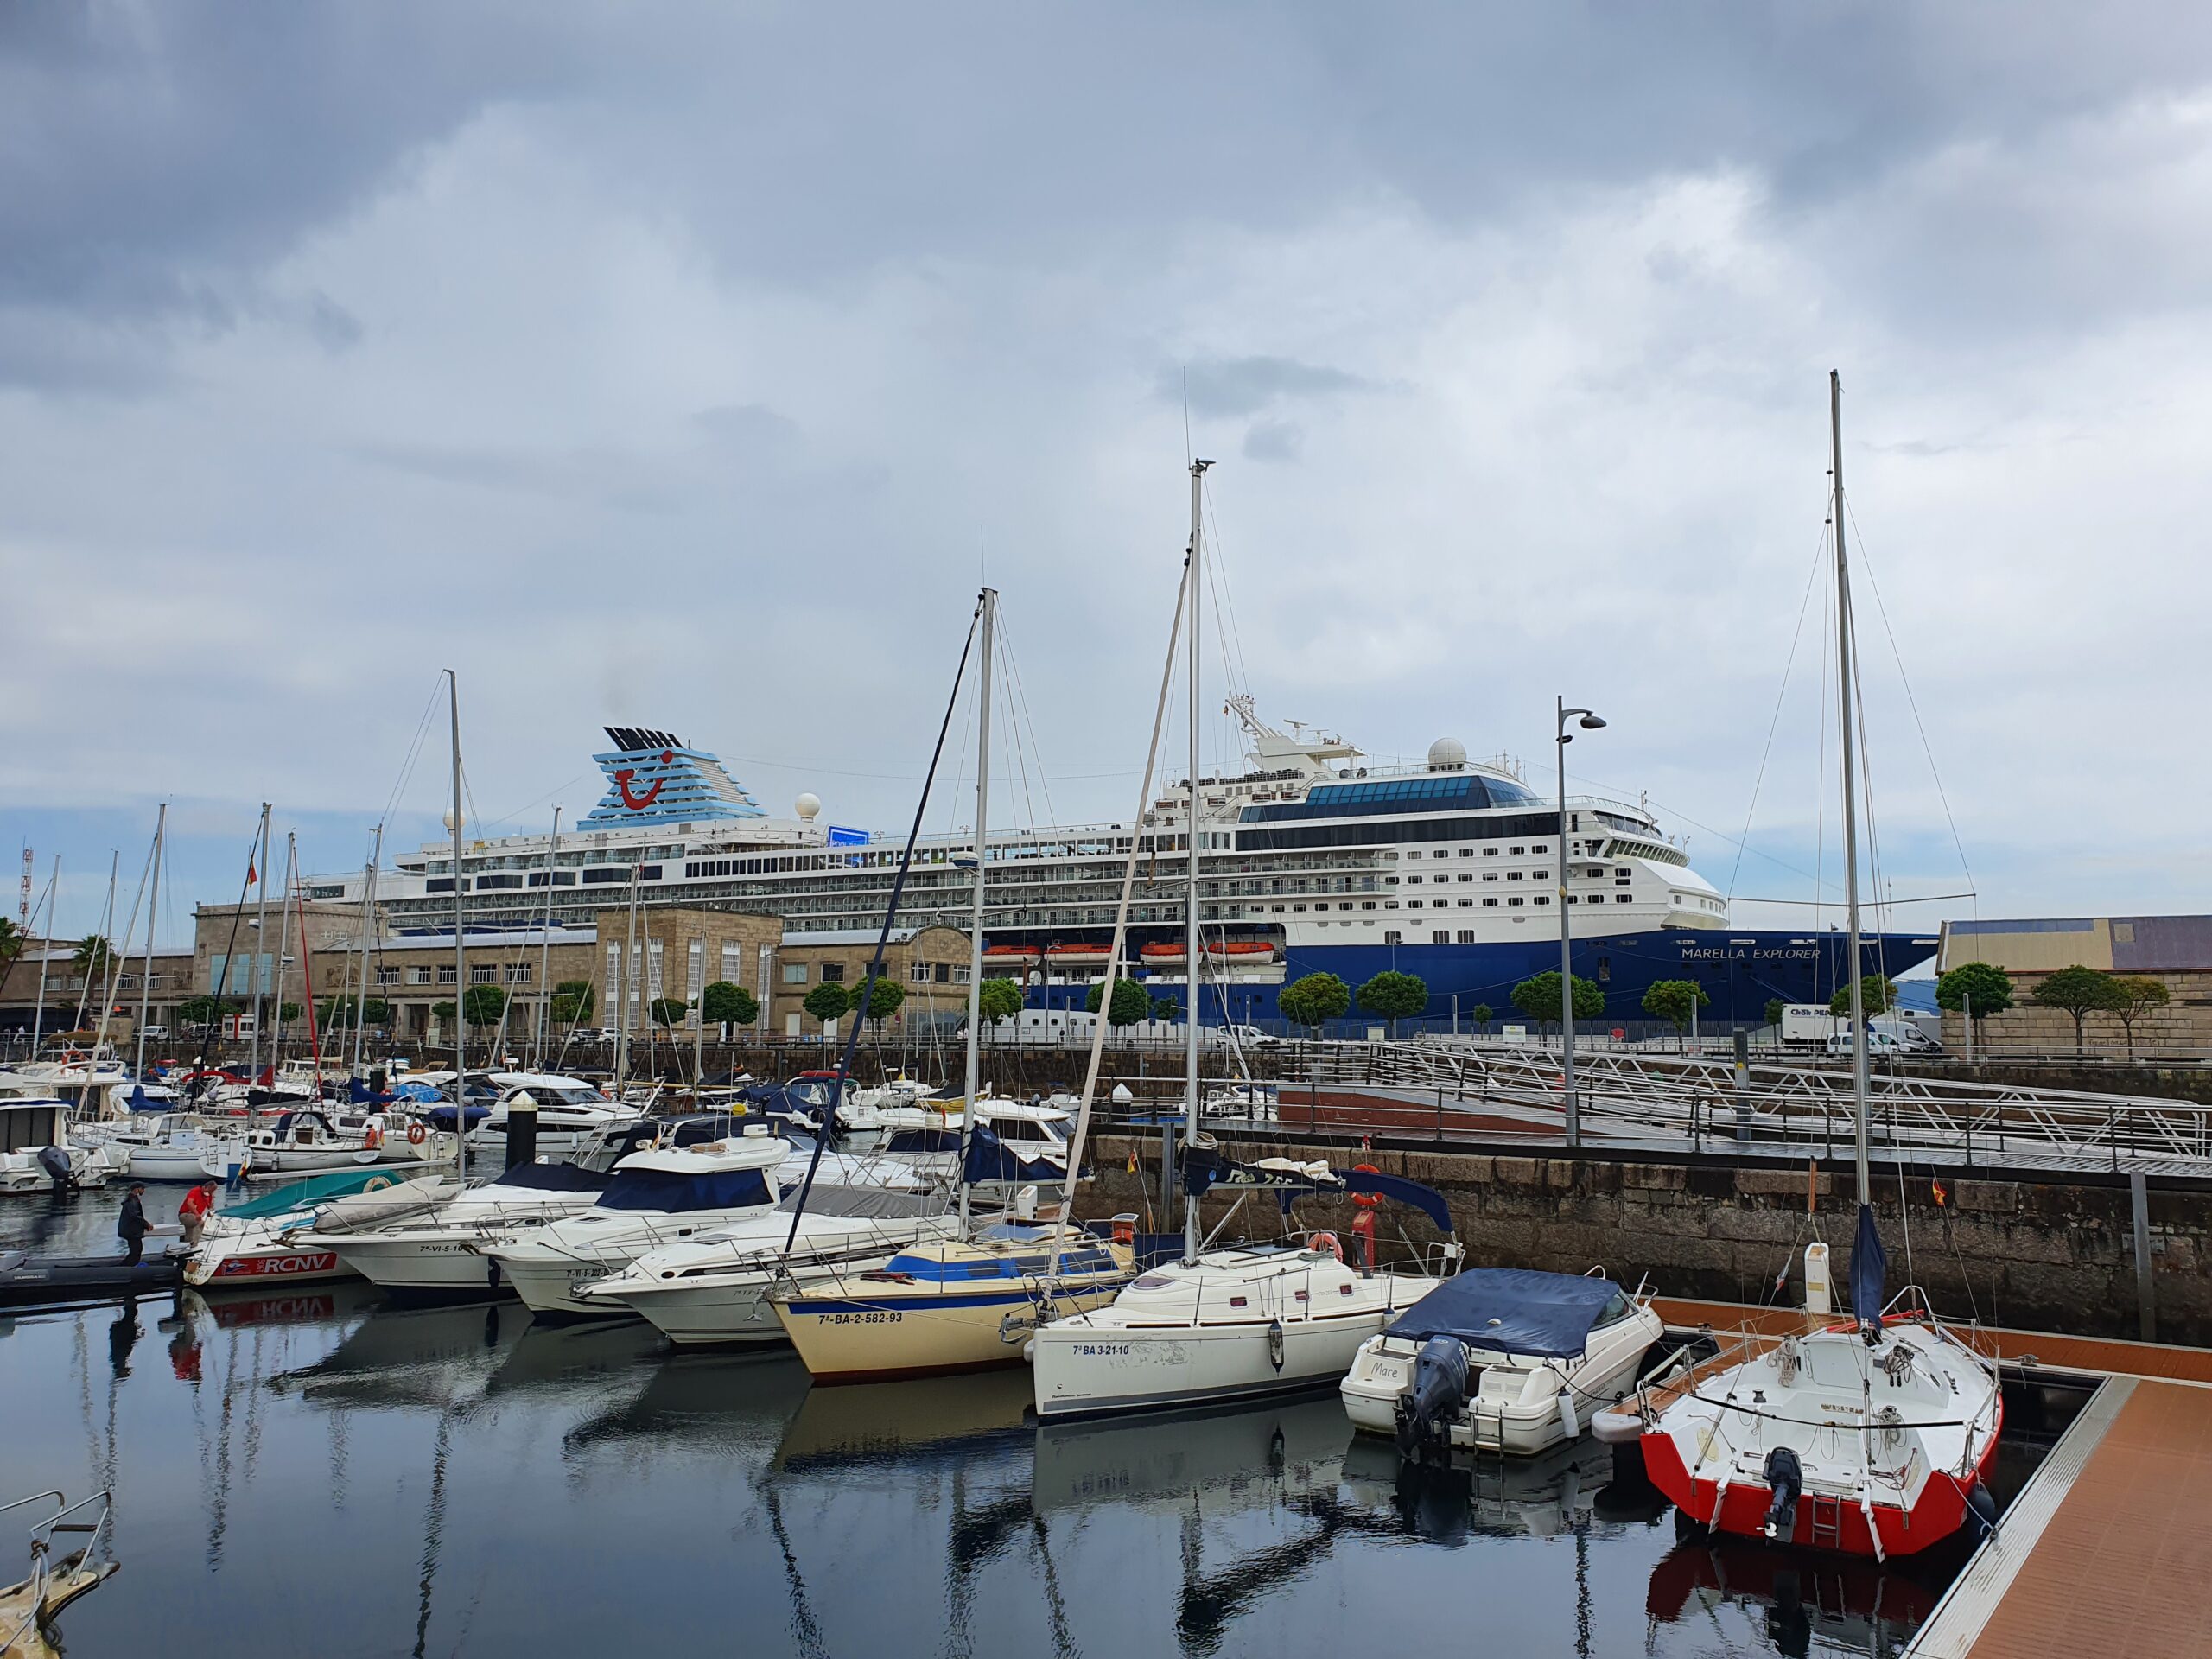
(685, 366)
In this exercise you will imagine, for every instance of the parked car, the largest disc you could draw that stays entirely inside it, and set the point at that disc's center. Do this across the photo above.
(156, 1031)
(1878, 1042)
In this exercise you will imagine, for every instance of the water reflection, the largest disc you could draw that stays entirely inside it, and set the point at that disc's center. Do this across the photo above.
(1851, 1604)
(473, 1468)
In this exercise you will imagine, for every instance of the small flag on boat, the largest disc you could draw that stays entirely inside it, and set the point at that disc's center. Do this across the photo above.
(253, 875)
(1937, 1188)
(1133, 1161)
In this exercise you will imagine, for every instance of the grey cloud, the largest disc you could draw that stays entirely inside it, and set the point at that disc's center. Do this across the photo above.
(1274, 440)
(1244, 385)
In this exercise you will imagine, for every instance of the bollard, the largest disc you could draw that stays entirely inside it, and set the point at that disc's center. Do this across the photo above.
(1743, 1084)
(522, 1131)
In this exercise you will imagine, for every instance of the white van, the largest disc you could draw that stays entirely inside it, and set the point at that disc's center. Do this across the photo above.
(1878, 1042)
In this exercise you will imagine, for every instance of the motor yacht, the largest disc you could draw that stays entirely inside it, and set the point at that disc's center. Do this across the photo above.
(429, 1254)
(35, 1156)
(572, 1115)
(1500, 1359)
(653, 1199)
(714, 1288)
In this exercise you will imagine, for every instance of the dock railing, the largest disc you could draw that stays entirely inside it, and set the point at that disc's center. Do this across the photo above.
(1627, 1098)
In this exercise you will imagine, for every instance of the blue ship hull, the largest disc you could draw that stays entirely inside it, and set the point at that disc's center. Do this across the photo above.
(1741, 970)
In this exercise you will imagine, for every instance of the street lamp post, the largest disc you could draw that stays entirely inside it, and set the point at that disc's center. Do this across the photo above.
(1589, 722)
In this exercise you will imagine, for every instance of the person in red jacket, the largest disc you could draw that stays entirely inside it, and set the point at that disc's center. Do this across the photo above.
(192, 1214)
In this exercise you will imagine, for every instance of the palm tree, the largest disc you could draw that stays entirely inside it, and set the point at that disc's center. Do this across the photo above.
(94, 956)
(11, 944)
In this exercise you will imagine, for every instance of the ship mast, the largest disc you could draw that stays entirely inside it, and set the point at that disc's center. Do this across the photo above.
(1191, 901)
(1844, 678)
(460, 948)
(990, 610)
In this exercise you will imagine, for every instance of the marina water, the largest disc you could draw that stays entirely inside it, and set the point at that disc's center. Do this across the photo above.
(320, 1472)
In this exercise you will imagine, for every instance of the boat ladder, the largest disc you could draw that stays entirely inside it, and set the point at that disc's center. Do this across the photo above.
(1827, 1522)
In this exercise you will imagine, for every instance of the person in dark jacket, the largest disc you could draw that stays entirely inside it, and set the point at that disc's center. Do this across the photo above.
(130, 1226)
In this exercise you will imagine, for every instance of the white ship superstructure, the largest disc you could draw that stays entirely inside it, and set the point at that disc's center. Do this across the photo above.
(1315, 861)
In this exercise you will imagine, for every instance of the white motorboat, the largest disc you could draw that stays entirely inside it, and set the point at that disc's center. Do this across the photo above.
(1500, 1359)
(714, 1288)
(279, 1238)
(653, 1199)
(35, 1156)
(927, 1137)
(430, 1253)
(862, 1120)
(572, 1115)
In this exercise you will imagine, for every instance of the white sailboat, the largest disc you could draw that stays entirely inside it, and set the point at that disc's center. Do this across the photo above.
(1226, 1323)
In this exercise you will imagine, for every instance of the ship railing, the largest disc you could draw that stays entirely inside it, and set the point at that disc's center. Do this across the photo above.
(1623, 1098)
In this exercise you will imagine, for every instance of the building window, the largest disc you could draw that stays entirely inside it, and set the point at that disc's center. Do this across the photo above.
(1390, 936)
(794, 973)
(960, 975)
(1520, 850)
(833, 973)
(943, 972)
(1441, 936)
(1466, 936)
(447, 976)
(1513, 901)
(387, 976)
(1489, 852)
(1540, 847)
(1539, 876)
(1543, 898)
(521, 973)
(1367, 904)
(1465, 876)
(487, 974)
(418, 976)
(1622, 899)
(919, 972)
(1513, 875)
(1491, 903)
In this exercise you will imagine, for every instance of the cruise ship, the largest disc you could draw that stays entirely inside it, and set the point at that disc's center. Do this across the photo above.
(1311, 861)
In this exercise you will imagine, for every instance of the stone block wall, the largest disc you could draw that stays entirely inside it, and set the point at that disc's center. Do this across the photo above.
(2042, 1254)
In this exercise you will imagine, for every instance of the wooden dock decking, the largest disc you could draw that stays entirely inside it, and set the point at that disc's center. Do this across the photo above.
(2108, 1552)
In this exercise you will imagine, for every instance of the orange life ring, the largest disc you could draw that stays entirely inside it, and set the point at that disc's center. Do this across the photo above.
(373, 1137)
(1328, 1241)
(416, 1134)
(1366, 1200)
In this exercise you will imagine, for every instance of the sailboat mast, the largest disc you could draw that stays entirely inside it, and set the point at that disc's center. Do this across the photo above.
(1191, 899)
(153, 910)
(545, 950)
(459, 946)
(1844, 678)
(284, 921)
(254, 991)
(45, 942)
(368, 929)
(624, 991)
(976, 920)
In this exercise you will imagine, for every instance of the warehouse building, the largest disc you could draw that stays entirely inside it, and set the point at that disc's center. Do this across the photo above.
(2176, 951)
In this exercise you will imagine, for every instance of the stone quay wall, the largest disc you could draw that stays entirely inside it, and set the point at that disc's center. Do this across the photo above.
(2048, 1252)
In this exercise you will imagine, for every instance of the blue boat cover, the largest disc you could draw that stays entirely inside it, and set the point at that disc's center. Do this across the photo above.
(1427, 1199)
(1869, 1267)
(990, 1159)
(1513, 1310)
(552, 1178)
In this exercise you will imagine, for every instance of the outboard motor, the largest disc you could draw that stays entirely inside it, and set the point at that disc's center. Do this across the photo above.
(55, 1163)
(1424, 1411)
(1785, 1478)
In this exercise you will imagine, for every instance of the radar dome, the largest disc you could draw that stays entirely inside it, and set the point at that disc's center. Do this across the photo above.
(808, 807)
(450, 825)
(1447, 754)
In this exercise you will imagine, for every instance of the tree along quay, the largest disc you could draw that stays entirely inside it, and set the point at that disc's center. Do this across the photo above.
(2047, 1251)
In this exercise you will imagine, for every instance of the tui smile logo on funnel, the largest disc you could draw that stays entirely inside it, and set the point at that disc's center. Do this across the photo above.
(640, 803)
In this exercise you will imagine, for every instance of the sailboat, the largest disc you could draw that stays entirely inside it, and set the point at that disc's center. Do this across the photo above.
(1875, 1435)
(967, 1302)
(1233, 1323)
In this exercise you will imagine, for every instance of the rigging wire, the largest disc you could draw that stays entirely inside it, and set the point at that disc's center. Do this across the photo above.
(1781, 695)
(1912, 703)
(414, 749)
